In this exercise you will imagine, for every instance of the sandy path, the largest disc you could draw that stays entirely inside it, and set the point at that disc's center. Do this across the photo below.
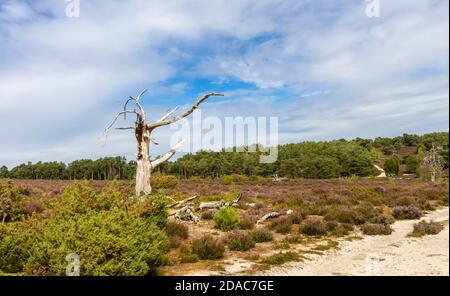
(394, 254)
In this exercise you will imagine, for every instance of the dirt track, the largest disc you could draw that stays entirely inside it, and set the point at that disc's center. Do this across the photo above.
(393, 254)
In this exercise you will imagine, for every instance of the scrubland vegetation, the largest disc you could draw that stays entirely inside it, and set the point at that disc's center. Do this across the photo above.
(113, 234)
(330, 193)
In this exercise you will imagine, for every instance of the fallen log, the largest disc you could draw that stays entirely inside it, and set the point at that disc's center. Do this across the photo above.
(273, 215)
(182, 202)
(220, 203)
(186, 214)
(267, 216)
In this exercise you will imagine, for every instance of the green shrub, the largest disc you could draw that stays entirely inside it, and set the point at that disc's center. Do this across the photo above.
(376, 229)
(282, 224)
(108, 243)
(208, 247)
(392, 166)
(226, 218)
(158, 181)
(246, 224)
(80, 198)
(186, 254)
(188, 258)
(16, 241)
(228, 180)
(406, 212)
(280, 258)
(11, 207)
(177, 229)
(412, 164)
(240, 241)
(261, 235)
(423, 228)
(313, 226)
(153, 209)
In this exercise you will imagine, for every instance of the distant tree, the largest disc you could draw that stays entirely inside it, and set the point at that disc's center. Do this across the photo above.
(432, 162)
(4, 172)
(412, 164)
(392, 166)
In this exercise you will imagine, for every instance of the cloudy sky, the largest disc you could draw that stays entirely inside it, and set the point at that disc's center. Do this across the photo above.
(324, 68)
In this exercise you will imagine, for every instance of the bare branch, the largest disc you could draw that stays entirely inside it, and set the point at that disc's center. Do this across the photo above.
(186, 113)
(168, 113)
(125, 128)
(182, 202)
(157, 162)
(136, 101)
(141, 94)
(117, 116)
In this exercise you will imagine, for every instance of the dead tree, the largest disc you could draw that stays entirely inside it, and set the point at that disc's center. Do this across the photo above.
(142, 130)
(432, 163)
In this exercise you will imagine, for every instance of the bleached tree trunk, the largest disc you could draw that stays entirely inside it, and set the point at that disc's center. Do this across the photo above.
(143, 164)
(143, 130)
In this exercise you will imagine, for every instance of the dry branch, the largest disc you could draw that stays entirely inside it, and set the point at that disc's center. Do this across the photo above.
(220, 203)
(273, 215)
(183, 115)
(182, 202)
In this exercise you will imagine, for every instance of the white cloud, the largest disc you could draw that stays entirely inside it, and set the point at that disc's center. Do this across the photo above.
(324, 68)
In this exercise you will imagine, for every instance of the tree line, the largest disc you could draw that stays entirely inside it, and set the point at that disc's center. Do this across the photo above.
(338, 158)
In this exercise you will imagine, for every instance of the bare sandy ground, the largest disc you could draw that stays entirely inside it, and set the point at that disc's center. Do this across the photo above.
(394, 254)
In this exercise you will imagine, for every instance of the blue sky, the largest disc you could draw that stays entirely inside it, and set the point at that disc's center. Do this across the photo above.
(324, 68)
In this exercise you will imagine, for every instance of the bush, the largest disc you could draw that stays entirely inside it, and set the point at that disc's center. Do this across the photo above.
(376, 229)
(392, 166)
(282, 224)
(280, 258)
(383, 219)
(406, 212)
(10, 202)
(261, 235)
(246, 224)
(208, 247)
(208, 214)
(240, 241)
(228, 180)
(108, 243)
(296, 217)
(177, 229)
(80, 198)
(16, 241)
(158, 181)
(226, 218)
(313, 226)
(153, 209)
(423, 228)
(186, 254)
